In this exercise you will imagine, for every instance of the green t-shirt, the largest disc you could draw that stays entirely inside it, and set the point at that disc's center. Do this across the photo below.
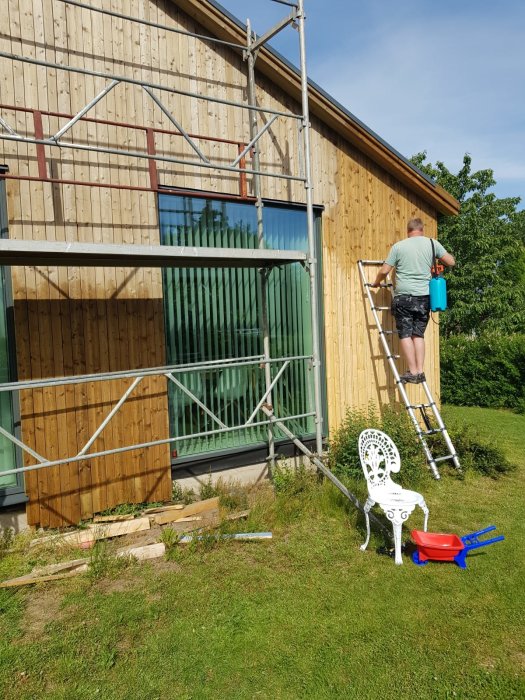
(412, 258)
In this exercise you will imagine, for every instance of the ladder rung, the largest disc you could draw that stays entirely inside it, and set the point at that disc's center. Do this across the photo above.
(383, 284)
(420, 405)
(386, 332)
(433, 431)
(442, 459)
(371, 262)
(381, 308)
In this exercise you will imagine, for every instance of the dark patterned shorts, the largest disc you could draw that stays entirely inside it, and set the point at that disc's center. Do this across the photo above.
(411, 314)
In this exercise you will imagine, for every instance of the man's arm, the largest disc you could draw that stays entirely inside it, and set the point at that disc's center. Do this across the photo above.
(448, 260)
(382, 274)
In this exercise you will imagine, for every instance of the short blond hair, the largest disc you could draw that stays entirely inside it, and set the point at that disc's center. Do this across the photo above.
(415, 225)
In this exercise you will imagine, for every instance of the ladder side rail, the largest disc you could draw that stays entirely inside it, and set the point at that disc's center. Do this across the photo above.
(402, 391)
(441, 425)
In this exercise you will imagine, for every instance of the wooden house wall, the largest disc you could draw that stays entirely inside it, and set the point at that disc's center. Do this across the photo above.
(81, 320)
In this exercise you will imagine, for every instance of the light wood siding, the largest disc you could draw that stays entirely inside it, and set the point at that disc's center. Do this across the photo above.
(79, 320)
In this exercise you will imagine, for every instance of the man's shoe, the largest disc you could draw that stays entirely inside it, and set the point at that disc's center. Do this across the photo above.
(409, 378)
(421, 378)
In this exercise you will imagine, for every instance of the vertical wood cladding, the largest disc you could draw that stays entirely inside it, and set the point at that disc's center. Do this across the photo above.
(83, 320)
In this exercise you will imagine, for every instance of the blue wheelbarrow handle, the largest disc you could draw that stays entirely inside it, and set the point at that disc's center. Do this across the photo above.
(490, 528)
(477, 545)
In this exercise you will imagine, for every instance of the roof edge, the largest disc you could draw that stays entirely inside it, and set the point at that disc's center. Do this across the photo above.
(217, 19)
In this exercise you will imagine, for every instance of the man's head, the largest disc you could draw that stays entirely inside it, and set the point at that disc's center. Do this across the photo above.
(415, 227)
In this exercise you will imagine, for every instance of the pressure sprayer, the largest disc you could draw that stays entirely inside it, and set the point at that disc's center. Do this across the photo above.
(438, 285)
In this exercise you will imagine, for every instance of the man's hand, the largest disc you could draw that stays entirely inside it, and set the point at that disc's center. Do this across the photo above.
(381, 275)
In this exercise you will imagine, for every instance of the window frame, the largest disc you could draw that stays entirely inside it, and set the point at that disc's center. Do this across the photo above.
(237, 456)
(15, 494)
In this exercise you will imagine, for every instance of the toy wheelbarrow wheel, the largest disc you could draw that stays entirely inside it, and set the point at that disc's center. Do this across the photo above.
(417, 560)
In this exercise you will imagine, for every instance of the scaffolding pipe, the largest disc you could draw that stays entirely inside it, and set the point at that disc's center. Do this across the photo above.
(195, 399)
(263, 275)
(148, 372)
(264, 38)
(138, 446)
(254, 140)
(145, 156)
(143, 83)
(176, 124)
(147, 23)
(85, 110)
(110, 415)
(312, 261)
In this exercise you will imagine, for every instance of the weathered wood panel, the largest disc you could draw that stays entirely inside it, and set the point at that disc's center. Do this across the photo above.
(71, 321)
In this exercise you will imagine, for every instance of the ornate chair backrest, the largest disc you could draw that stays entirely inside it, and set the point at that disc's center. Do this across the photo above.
(379, 456)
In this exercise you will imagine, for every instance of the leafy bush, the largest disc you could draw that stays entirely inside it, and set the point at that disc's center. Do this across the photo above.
(488, 370)
(474, 453)
(344, 455)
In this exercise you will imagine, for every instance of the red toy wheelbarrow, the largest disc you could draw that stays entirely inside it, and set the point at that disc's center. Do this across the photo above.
(440, 547)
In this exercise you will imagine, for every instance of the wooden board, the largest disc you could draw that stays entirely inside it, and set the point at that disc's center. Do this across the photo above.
(95, 531)
(148, 551)
(170, 516)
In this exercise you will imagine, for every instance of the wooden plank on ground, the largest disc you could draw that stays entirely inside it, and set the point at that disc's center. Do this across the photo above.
(96, 531)
(197, 522)
(192, 509)
(58, 568)
(28, 580)
(162, 509)
(148, 551)
(112, 518)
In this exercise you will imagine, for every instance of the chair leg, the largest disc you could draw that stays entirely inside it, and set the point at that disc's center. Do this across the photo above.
(397, 542)
(424, 508)
(366, 509)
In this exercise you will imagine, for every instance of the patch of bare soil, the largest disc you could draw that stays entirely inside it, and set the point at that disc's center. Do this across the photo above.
(164, 565)
(125, 582)
(43, 606)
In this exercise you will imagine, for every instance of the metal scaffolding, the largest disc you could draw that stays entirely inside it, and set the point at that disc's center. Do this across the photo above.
(27, 252)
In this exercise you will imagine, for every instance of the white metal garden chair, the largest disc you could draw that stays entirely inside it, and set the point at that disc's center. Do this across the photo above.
(379, 457)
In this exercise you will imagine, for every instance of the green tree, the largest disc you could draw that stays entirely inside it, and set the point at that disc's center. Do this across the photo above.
(486, 289)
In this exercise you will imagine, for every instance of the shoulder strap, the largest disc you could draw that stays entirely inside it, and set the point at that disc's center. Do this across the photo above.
(433, 267)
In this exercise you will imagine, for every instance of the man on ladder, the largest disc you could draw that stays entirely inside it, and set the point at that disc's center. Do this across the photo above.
(412, 259)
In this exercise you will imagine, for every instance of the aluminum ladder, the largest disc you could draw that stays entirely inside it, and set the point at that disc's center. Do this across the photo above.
(411, 408)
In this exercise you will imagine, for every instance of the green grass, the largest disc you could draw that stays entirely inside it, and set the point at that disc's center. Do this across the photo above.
(307, 615)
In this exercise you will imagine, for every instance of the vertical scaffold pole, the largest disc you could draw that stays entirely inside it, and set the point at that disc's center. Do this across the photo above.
(263, 272)
(312, 261)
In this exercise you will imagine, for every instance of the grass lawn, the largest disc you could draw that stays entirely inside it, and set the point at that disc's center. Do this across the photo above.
(305, 615)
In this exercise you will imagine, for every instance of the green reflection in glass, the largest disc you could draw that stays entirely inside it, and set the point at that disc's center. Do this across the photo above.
(213, 314)
(7, 449)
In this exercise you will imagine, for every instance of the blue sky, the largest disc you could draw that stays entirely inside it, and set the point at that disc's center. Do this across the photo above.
(446, 77)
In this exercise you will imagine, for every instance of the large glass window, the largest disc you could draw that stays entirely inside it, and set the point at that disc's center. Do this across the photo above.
(7, 448)
(214, 314)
